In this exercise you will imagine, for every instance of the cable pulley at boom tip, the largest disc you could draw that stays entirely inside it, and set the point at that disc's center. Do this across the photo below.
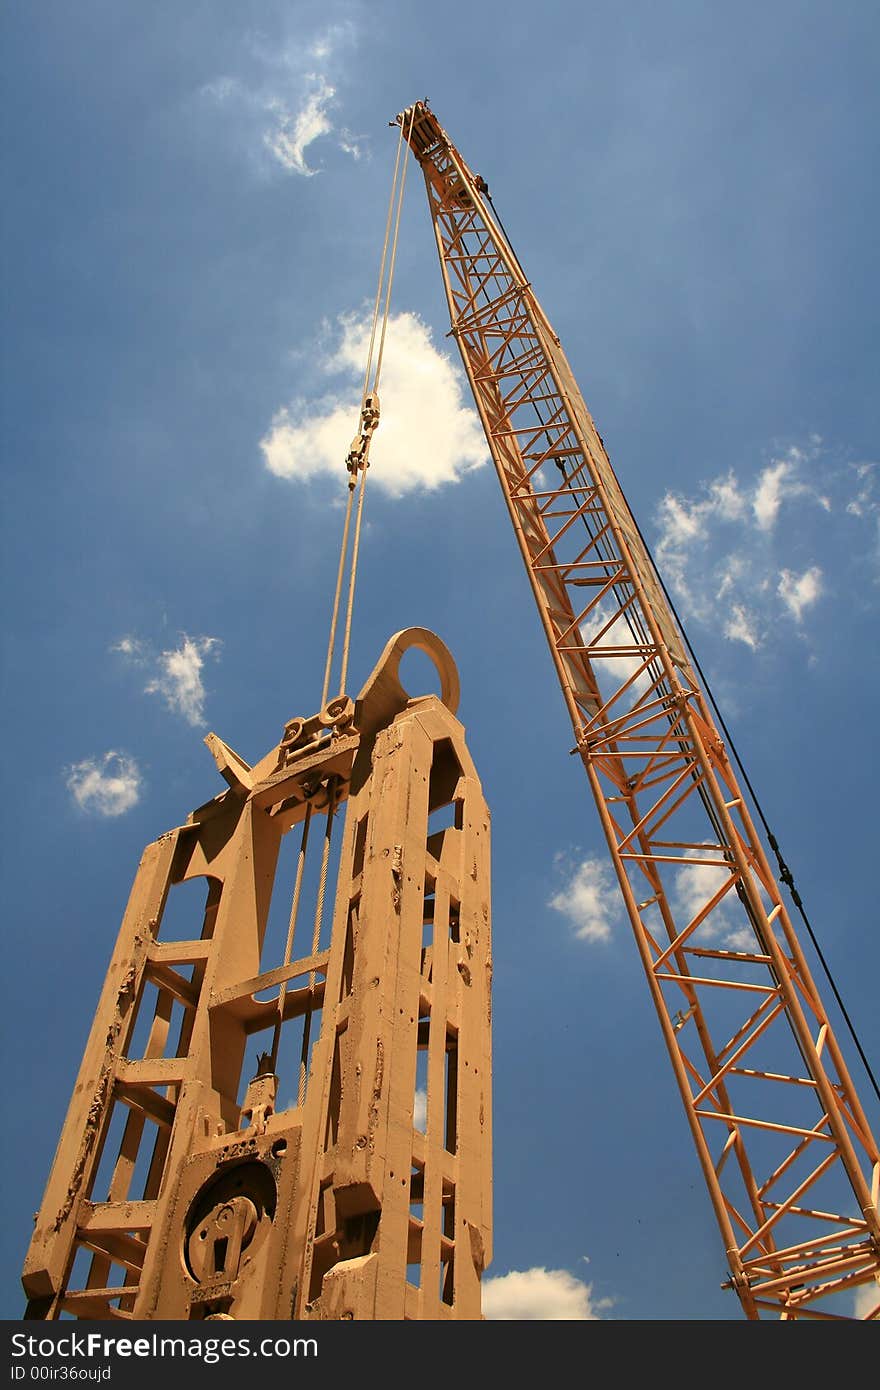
(401, 117)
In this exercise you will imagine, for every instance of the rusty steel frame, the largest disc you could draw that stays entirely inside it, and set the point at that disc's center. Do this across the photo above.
(784, 1144)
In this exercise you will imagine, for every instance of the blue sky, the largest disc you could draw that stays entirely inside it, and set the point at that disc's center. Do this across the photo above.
(194, 210)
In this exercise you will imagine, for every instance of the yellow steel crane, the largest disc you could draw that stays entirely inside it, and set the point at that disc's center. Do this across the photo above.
(783, 1140)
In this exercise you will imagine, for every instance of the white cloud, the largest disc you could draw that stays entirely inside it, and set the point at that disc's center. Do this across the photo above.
(695, 883)
(549, 1295)
(865, 501)
(613, 671)
(780, 482)
(109, 785)
(727, 558)
(420, 1110)
(867, 1300)
(131, 647)
(725, 498)
(731, 573)
(773, 484)
(589, 900)
(800, 591)
(740, 939)
(352, 144)
(427, 435)
(293, 99)
(865, 505)
(180, 678)
(177, 672)
(741, 626)
(293, 132)
(685, 525)
(684, 520)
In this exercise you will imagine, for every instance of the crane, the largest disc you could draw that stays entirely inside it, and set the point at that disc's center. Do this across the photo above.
(782, 1139)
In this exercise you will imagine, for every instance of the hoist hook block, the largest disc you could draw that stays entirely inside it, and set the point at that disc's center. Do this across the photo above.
(384, 695)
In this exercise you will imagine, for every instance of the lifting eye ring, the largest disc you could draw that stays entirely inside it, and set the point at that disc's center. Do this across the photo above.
(423, 640)
(384, 695)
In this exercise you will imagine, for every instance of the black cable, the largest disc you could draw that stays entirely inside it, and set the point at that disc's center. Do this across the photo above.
(504, 230)
(785, 873)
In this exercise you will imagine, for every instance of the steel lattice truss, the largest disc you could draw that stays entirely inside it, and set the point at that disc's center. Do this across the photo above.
(783, 1141)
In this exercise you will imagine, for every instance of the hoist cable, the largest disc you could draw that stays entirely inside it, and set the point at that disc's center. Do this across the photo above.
(359, 456)
(291, 928)
(392, 264)
(394, 177)
(316, 938)
(357, 462)
(346, 641)
(373, 391)
(325, 689)
(343, 550)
